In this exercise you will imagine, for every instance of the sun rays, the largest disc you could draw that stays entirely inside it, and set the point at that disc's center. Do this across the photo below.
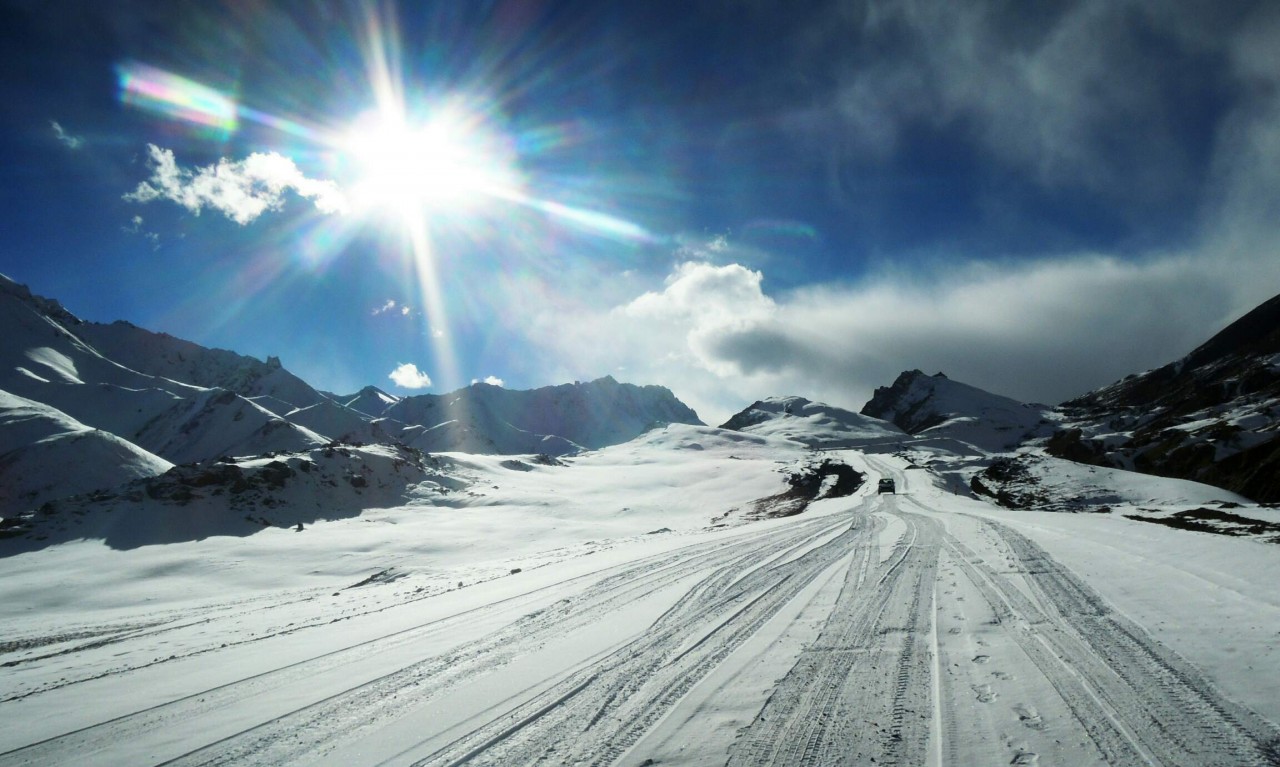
(420, 167)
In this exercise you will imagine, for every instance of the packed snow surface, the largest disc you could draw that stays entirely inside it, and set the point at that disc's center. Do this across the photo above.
(619, 607)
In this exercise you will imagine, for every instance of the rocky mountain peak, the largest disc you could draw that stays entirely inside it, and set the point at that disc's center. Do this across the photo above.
(937, 406)
(906, 402)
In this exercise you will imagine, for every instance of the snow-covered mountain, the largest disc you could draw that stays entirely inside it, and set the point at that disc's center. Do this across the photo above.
(160, 354)
(483, 418)
(936, 406)
(1212, 416)
(370, 400)
(45, 358)
(813, 423)
(343, 424)
(131, 403)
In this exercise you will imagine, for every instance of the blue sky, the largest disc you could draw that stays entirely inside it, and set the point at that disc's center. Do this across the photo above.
(731, 199)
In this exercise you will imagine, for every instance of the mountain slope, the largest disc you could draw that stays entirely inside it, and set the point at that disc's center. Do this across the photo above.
(339, 423)
(370, 400)
(812, 423)
(216, 423)
(591, 415)
(50, 356)
(46, 454)
(159, 354)
(1212, 416)
(936, 406)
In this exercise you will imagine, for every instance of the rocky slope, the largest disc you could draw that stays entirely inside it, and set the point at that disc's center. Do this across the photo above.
(1212, 416)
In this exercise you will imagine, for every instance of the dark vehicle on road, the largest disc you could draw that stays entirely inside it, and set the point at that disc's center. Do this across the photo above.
(887, 486)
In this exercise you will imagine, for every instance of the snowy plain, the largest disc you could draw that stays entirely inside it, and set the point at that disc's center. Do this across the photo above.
(632, 607)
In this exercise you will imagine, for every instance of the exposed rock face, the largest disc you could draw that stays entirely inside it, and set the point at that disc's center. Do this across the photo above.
(1212, 416)
(907, 403)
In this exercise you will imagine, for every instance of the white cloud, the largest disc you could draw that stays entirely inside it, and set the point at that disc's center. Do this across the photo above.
(71, 142)
(493, 381)
(404, 311)
(242, 190)
(407, 376)
(701, 301)
(1042, 330)
(388, 306)
(706, 293)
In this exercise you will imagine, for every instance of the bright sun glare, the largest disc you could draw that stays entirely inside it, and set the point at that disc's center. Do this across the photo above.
(446, 163)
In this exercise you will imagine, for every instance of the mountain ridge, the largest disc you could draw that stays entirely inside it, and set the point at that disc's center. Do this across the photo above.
(142, 402)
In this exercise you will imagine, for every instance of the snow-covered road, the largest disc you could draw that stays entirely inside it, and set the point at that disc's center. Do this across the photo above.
(894, 629)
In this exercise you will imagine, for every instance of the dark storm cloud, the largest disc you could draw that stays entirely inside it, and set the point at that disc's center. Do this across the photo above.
(1112, 97)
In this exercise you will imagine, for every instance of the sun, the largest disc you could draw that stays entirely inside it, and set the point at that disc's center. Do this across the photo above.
(449, 163)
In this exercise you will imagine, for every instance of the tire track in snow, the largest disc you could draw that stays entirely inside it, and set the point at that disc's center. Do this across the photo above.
(621, 697)
(862, 692)
(1137, 700)
(351, 711)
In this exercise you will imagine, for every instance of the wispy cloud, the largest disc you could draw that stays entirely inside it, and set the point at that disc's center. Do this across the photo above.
(491, 380)
(392, 306)
(135, 227)
(241, 190)
(407, 376)
(69, 141)
(1108, 97)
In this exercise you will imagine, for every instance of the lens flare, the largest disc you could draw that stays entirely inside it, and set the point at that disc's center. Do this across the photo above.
(438, 153)
(784, 228)
(169, 95)
(175, 97)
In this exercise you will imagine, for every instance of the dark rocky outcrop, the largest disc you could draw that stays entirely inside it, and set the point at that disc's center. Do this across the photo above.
(1212, 416)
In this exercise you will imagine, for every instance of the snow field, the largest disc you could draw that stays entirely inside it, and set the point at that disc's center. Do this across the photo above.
(618, 610)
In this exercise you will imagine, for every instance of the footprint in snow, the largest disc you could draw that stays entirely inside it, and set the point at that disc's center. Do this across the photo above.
(984, 692)
(981, 658)
(1029, 717)
(1024, 758)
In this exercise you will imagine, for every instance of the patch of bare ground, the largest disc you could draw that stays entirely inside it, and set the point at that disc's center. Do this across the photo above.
(1216, 521)
(806, 486)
